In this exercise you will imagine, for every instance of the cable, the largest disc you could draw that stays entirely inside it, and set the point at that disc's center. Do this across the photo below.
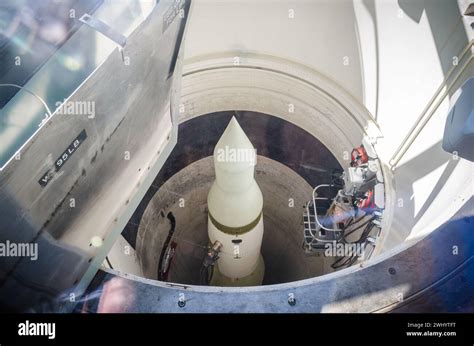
(358, 227)
(337, 266)
(363, 238)
(365, 233)
(337, 261)
(354, 259)
(204, 276)
(352, 222)
(172, 221)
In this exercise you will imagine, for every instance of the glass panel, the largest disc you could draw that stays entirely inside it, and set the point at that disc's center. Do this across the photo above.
(48, 52)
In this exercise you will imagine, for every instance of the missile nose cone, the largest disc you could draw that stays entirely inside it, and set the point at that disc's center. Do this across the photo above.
(234, 152)
(234, 159)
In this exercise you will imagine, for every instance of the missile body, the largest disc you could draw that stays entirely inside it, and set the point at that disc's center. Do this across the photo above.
(235, 205)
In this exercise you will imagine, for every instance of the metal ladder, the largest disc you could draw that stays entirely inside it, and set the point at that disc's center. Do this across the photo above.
(312, 225)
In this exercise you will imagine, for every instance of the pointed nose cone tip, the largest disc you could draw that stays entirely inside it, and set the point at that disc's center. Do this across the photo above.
(234, 137)
(234, 150)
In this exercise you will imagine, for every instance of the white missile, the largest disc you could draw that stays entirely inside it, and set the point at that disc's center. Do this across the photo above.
(235, 205)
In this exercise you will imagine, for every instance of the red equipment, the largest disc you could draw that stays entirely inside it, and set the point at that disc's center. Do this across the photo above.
(359, 156)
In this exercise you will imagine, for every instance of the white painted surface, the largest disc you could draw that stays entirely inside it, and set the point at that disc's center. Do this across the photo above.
(319, 34)
(236, 266)
(401, 66)
(235, 200)
(123, 258)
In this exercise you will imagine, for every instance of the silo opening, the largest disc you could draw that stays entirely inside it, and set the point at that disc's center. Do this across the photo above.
(171, 234)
